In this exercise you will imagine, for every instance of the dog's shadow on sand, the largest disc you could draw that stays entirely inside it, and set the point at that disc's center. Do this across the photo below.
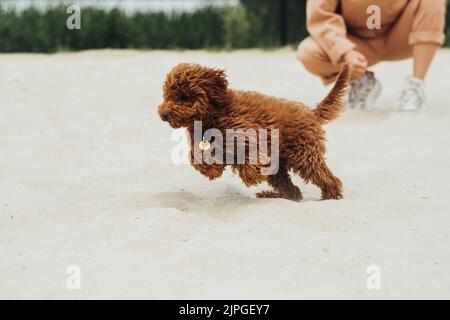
(188, 202)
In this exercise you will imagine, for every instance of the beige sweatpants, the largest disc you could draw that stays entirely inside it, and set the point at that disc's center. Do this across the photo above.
(417, 24)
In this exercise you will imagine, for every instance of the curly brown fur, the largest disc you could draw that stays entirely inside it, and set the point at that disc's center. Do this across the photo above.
(193, 92)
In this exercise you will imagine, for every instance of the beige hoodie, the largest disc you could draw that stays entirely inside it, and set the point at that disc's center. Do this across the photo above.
(329, 21)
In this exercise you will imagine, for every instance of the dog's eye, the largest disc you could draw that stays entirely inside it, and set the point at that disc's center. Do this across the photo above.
(184, 97)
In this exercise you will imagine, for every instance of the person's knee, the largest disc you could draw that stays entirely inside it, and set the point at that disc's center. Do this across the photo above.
(308, 53)
(432, 8)
(315, 60)
(429, 22)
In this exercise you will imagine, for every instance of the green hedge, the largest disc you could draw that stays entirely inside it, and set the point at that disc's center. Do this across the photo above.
(257, 23)
(206, 28)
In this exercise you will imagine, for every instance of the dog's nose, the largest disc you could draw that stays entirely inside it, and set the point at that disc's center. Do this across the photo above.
(165, 116)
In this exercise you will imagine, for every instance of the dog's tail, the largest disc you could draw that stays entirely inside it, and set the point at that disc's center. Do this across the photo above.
(332, 105)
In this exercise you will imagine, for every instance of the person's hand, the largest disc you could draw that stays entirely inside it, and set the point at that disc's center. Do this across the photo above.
(357, 61)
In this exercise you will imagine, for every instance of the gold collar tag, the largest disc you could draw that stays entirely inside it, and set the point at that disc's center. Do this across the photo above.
(204, 145)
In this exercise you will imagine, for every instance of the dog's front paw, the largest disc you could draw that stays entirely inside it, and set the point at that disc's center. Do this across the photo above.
(214, 173)
(332, 193)
(250, 175)
(332, 196)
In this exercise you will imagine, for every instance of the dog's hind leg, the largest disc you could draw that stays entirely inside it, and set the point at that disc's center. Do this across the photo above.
(283, 187)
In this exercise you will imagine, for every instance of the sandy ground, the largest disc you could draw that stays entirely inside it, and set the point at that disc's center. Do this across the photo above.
(86, 179)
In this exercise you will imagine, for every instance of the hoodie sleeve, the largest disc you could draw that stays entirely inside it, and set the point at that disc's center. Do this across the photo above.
(328, 28)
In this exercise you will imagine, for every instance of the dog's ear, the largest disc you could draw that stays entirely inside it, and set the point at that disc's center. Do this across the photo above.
(215, 84)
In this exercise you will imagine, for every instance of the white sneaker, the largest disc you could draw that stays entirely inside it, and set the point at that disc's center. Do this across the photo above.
(363, 93)
(413, 95)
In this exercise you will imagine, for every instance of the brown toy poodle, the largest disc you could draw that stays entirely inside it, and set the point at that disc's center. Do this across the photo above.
(194, 93)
